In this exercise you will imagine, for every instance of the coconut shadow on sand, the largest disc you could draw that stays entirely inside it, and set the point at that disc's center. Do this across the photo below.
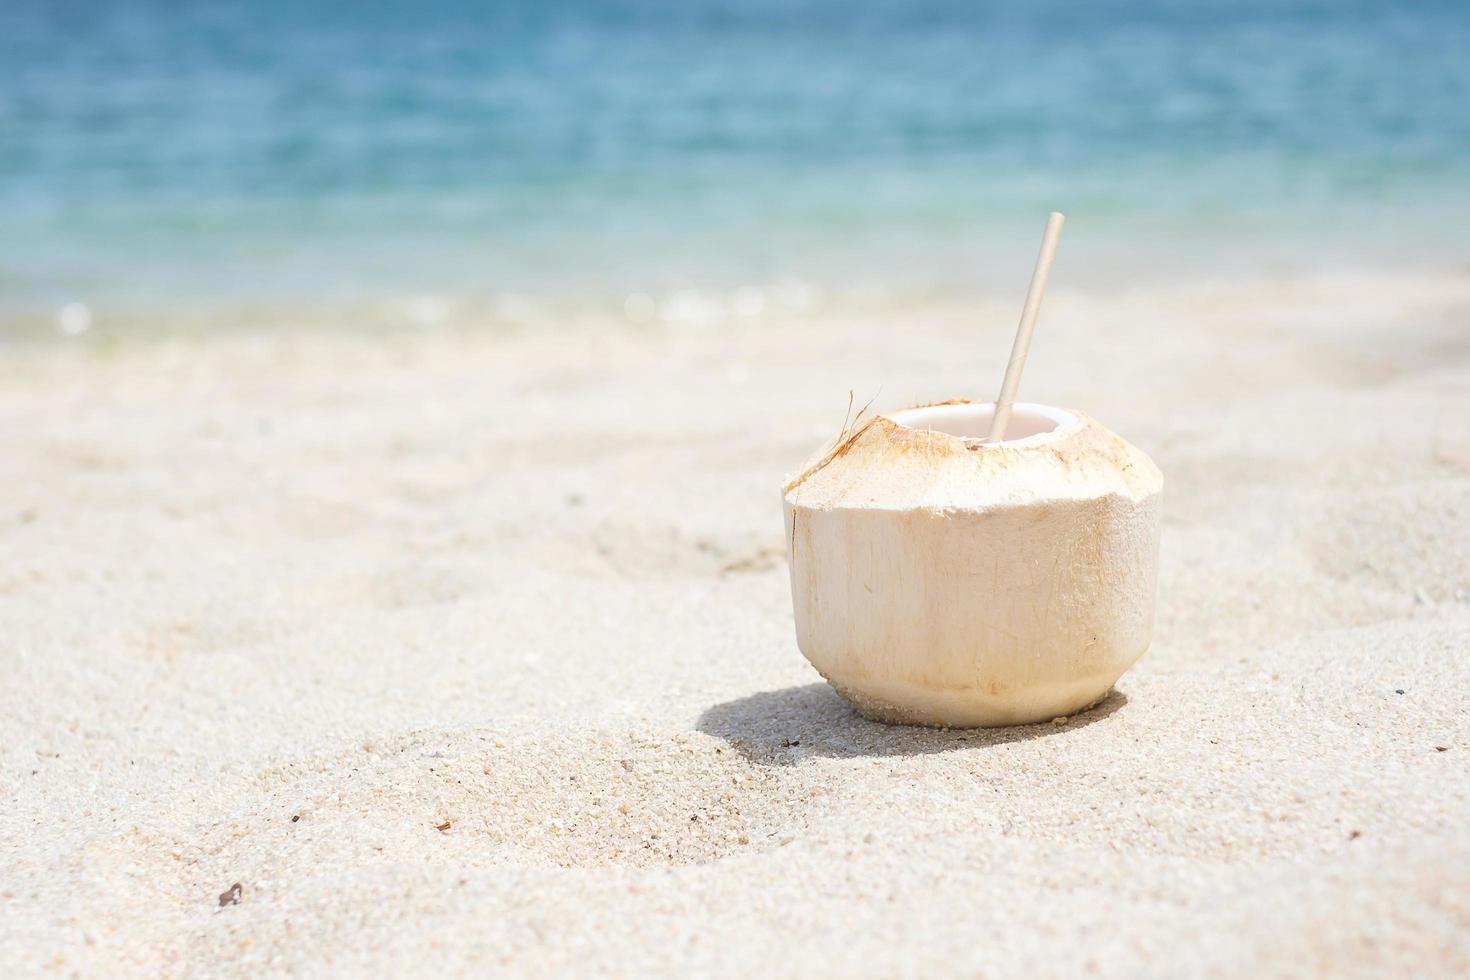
(780, 728)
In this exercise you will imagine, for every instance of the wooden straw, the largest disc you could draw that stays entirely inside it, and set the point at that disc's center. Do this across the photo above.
(1027, 326)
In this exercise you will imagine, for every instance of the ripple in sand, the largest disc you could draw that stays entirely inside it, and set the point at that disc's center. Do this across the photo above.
(589, 800)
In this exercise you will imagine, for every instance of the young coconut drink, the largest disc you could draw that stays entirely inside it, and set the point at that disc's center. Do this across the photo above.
(968, 564)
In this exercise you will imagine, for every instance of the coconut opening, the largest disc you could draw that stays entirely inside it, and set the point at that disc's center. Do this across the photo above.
(971, 420)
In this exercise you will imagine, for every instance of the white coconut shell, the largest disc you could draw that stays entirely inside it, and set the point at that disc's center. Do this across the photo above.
(941, 580)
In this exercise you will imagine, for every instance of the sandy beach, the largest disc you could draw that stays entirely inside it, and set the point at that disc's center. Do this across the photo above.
(470, 651)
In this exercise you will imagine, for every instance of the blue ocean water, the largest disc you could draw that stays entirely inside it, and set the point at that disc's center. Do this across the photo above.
(155, 152)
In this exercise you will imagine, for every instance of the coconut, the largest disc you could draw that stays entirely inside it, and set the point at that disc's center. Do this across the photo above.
(939, 578)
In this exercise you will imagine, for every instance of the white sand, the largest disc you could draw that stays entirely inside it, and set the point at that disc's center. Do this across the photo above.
(534, 590)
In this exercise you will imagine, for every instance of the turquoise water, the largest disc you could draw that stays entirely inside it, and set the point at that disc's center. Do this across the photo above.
(156, 154)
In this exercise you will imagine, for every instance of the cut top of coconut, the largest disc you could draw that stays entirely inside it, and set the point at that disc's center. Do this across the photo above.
(972, 420)
(935, 457)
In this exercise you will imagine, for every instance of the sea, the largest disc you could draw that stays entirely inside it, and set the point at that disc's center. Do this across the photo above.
(159, 156)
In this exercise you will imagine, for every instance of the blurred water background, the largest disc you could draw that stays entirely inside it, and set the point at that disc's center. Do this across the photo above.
(159, 156)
